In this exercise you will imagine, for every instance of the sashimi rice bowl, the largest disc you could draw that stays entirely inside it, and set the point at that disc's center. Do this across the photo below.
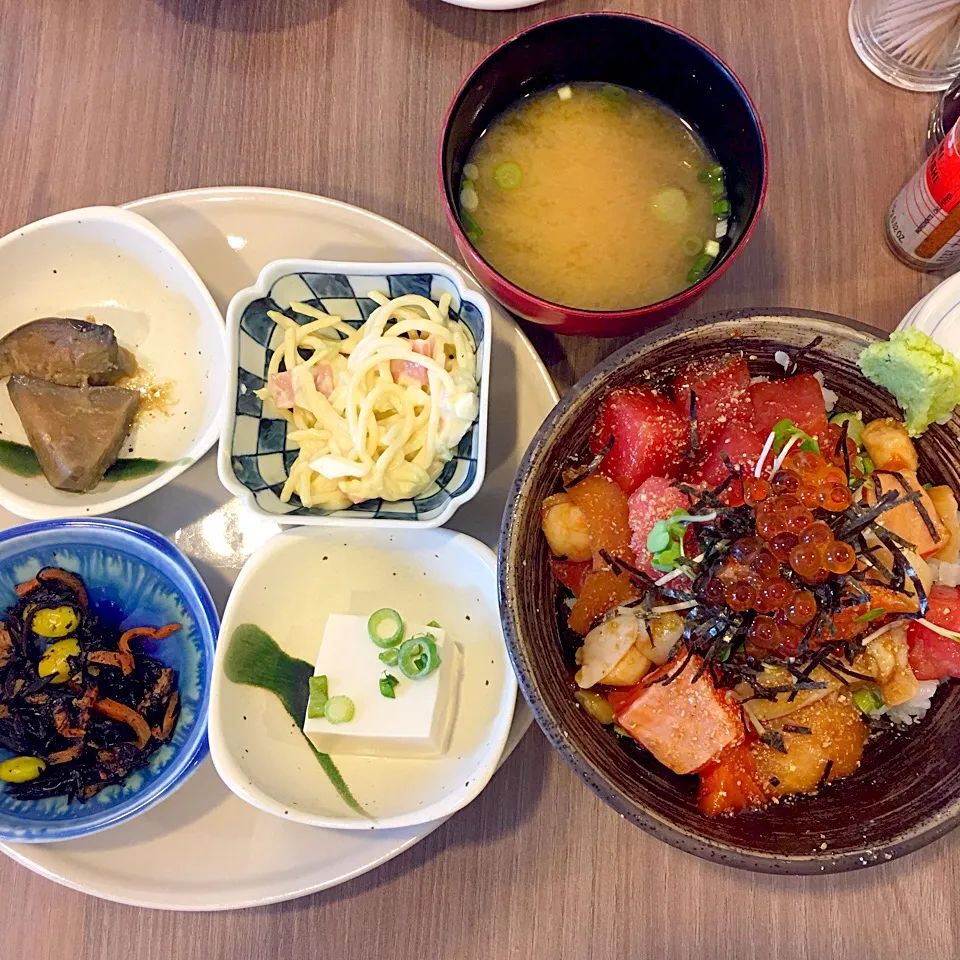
(732, 590)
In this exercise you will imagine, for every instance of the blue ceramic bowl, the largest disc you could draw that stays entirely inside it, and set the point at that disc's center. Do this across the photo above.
(255, 454)
(130, 569)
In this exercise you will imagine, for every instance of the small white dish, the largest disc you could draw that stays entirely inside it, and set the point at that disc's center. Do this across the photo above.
(255, 454)
(117, 268)
(288, 588)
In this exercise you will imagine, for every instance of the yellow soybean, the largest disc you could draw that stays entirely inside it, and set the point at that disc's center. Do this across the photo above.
(55, 622)
(54, 661)
(21, 769)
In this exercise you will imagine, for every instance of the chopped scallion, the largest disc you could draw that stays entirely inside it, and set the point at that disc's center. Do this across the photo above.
(711, 248)
(868, 700)
(507, 176)
(471, 171)
(721, 208)
(339, 710)
(871, 615)
(387, 682)
(691, 246)
(700, 266)
(435, 625)
(613, 94)
(419, 657)
(319, 694)
(385, 627)
(390, 657)
(710, 173)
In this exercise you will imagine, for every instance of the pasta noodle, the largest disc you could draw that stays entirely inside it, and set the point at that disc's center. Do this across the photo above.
(375, 411)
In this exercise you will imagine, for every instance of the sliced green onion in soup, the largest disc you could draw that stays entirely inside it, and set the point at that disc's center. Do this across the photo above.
(691, 246)
(671, 205)
(507, 176)
(613, 94)
(471, 171)
(721, 208)
(700, 266)
(470, 227)
(710, 173)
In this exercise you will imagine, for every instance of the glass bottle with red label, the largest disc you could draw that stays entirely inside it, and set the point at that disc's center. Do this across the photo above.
(923, 224)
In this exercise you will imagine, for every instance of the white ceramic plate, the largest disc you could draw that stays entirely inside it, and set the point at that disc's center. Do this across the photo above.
(117, 268)
(204, 848)
(289, 588)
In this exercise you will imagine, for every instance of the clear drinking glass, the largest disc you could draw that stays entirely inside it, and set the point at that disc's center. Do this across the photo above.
(913, 44)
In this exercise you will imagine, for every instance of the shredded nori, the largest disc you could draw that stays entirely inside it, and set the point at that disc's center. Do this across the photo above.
(593, 465)
(801, 354)
(796, 728)
(825, 776)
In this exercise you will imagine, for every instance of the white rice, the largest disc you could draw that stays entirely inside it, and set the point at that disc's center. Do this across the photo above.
(914, 710)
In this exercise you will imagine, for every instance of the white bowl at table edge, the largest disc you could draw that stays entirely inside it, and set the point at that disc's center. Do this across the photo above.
(230, 773)
(269, 275)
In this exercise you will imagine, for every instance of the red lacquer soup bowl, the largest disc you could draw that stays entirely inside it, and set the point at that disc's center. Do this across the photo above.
(632, 52)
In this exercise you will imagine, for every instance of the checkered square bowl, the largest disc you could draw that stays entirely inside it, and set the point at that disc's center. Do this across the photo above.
(255, 454)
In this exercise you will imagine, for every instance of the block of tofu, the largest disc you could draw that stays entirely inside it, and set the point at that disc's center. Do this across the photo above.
(416, 723)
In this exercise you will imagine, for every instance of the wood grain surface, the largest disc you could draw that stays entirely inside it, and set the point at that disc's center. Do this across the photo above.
(103, 101)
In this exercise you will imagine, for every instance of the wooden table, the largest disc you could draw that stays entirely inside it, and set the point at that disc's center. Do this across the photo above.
(103, 101)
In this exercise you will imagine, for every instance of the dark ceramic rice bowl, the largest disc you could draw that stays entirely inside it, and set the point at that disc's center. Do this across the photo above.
(906, 792)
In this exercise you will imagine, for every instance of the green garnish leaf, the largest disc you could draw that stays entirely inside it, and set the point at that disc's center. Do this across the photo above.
(871, 615)
(784, 430)
(387, 683)
(868, 700)
(389, 657)
(433, 623)
(659, 537)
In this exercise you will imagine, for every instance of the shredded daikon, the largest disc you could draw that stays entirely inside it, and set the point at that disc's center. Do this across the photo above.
(378, 410)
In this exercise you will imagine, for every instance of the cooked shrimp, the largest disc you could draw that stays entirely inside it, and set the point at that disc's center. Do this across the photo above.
(565, 528)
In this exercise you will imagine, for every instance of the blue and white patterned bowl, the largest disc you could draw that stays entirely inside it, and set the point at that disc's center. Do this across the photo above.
(255, 455)
(128, 568)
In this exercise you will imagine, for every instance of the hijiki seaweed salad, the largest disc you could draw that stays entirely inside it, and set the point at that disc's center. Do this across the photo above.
(761, 582)
(81, 705)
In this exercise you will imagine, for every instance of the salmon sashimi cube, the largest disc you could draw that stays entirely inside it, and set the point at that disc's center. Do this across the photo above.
(685, 725)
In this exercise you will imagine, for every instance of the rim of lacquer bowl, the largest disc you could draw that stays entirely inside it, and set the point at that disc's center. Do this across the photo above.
(834, 861)
(672, 304)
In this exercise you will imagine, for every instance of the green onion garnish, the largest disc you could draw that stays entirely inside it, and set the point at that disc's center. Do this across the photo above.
(691, 246)
(700, 266)
(419, 657)
(868, 700)
(717, 189)
(319, 694)
(721, 208)
(435, 625)
(387, 682)
(389, 657)
(507, 175)
(709, 173)
(339, 710)
(871, 615)
(613, 94)
(385, 627)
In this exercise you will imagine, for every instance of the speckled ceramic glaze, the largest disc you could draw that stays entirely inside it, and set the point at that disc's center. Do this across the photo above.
(907, 790)
(141, 579)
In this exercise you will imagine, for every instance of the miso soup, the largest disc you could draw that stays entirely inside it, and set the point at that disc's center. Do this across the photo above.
(595, 197)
